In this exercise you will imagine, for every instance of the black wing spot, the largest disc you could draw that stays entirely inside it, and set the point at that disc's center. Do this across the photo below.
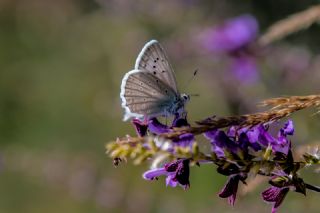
(162, 60)
(166, 91)
(154, 66)
(157, 59)
(163, 71)
(157, 81)
(155, 72)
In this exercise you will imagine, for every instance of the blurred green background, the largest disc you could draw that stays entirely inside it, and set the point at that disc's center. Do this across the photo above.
(61, 64)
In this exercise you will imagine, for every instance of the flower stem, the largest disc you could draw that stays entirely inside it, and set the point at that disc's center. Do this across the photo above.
(313, 188)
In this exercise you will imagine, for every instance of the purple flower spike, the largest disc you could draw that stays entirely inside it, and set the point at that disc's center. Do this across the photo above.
(275, 195)
(141, 128)
(232, 35)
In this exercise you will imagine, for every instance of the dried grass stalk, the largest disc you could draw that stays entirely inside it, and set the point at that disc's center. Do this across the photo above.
(292, 24)
(281, 107)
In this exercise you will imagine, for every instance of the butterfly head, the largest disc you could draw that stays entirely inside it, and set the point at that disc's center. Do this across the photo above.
(185, 98)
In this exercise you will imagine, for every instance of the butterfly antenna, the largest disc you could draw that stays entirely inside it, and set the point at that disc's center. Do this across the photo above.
(191, 79)
(194, 95)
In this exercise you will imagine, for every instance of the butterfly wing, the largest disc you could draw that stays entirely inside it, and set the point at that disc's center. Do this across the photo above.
(143, 94)
(153, 59)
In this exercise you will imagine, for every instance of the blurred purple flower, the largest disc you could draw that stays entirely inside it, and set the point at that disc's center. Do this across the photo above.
(244, 68)
(291, 62)
(177, 172)
(234, 38)
(232, 35)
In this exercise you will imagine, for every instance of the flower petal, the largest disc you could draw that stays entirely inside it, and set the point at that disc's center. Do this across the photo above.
(288, 128)
(141, 128)
(230, 189)
(156, 127)
(170, 181)
(275, 195)
(154, 173)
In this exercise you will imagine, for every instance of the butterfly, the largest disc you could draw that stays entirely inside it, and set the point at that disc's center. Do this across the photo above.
(150, 89)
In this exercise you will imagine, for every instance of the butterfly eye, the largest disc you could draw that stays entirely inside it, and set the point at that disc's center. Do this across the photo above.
(185, 97)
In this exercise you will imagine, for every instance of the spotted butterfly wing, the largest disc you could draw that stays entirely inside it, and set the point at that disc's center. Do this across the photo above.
(150, 89)
(153, 59)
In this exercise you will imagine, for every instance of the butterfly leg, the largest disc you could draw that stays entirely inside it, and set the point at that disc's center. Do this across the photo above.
(145, 120)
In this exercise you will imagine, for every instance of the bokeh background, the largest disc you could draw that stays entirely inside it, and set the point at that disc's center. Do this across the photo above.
(61, 65)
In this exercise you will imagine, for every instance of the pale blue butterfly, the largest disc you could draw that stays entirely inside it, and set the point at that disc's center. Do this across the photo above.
(150, 90)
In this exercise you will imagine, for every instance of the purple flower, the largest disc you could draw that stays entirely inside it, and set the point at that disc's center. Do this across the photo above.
(140, 127)
(281, 183)
(220, 142)
(156, 127)
(259, 136)
(288, 129)
(237, 140)
(154, 173)
(234, 38)
(231, 187)
(180, 122)
(184, 140)
(281, 143)
(177, 172)
(249, 138)
(231, 35)
(275, 196)
(244, 69)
